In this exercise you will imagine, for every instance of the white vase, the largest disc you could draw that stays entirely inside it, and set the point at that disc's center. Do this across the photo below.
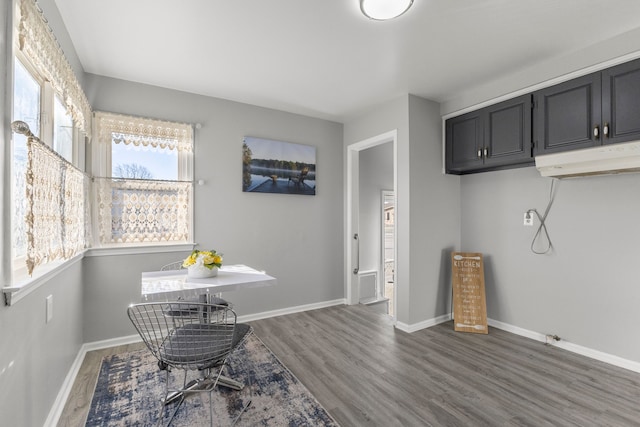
(201, 272)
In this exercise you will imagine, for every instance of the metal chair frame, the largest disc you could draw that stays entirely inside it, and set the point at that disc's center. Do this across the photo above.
(176, 265)
(197, 340)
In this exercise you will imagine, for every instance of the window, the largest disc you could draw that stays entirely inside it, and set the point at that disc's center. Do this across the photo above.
(62, 130)
(26, 107)
(145, 192)
(49, 218)
(131, 161)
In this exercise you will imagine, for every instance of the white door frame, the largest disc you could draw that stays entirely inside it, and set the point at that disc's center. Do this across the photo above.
(352, 207)
(383, 195)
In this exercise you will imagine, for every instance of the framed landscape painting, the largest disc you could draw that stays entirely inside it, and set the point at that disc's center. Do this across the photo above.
(270, 166)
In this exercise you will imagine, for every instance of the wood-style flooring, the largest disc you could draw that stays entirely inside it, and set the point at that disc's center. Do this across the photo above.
(366, 373)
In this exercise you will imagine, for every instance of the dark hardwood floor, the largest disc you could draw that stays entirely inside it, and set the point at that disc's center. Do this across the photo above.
(366, 373)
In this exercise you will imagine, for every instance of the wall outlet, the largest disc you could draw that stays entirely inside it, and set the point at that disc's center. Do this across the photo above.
(528, 219)
(49, 308)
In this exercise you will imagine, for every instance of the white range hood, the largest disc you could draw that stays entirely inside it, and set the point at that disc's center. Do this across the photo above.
(602, 160)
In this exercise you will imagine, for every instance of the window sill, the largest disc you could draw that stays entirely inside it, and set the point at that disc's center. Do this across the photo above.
(24, 284)
(134, 249)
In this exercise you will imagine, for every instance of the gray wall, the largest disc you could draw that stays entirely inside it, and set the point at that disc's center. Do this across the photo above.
(297, 239)
(625, 45)
(35, 356)
(111, 283)
(376, 175)
(586, 291)
(428, 204)
(435, 214)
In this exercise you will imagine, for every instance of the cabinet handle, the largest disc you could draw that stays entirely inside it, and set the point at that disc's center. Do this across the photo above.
(596, 132)
(486, 152)
(605, 129)
(479, 154)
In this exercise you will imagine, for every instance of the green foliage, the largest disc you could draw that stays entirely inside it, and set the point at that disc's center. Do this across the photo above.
(246, 166)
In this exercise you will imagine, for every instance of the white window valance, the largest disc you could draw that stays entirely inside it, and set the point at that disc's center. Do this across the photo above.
(138, 131)
(39, 44)
(57, 214)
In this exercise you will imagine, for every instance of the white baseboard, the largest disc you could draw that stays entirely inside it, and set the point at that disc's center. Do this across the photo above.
(65, 390)
(424, 324)
(517, 330)
(569, 346)
(61, 398)
(565, 345)
(290, 310)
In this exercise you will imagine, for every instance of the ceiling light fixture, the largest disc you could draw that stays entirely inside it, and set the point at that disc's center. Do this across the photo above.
(382, 10)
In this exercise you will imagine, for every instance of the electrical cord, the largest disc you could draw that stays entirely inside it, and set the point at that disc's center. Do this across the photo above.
(542, 228)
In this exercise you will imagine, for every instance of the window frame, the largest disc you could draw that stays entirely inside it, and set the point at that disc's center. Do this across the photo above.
(101, 161)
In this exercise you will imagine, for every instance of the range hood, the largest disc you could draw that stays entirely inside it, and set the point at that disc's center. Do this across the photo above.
(602, 160)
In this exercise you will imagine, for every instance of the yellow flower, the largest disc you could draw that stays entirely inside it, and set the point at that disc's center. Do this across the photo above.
(210, 259)
(190, 260)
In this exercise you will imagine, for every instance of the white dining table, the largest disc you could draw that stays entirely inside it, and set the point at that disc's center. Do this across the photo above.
(175, 284)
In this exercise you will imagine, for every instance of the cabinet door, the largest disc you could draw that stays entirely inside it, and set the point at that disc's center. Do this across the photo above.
(567, 115)
(507, 134)
(464, 142)
(621, 103)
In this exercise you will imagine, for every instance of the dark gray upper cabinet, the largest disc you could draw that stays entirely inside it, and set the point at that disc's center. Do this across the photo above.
(566, 115)
(600, 108)
(492, 138)
(464, 142)
(621, 103)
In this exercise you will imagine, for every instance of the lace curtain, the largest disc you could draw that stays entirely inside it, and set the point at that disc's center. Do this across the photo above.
(57, 214)
(143, 211)
(143, 132)
(37, 41)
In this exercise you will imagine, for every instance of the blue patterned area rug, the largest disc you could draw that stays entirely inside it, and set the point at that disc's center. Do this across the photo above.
(130, 385)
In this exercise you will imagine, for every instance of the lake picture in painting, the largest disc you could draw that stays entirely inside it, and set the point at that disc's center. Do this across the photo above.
(270, 166)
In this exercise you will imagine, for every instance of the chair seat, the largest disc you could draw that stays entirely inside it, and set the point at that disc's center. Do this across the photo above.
(202, 346)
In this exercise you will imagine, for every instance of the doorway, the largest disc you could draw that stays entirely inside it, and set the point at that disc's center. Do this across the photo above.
(367, 253)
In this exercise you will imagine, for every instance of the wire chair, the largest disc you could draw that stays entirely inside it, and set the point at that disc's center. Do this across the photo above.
(195, 341)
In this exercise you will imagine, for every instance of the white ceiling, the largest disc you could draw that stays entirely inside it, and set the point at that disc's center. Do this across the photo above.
(323, 58)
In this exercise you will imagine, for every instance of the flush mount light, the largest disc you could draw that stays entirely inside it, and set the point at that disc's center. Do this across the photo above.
(382, 10)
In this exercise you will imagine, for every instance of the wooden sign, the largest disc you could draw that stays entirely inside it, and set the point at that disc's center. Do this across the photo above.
(469, 302)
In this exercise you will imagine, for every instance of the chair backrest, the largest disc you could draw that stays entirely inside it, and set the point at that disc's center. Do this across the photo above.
(196, 339)
(176, 265)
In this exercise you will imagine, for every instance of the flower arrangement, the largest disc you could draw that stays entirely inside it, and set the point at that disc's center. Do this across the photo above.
(208, 259)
